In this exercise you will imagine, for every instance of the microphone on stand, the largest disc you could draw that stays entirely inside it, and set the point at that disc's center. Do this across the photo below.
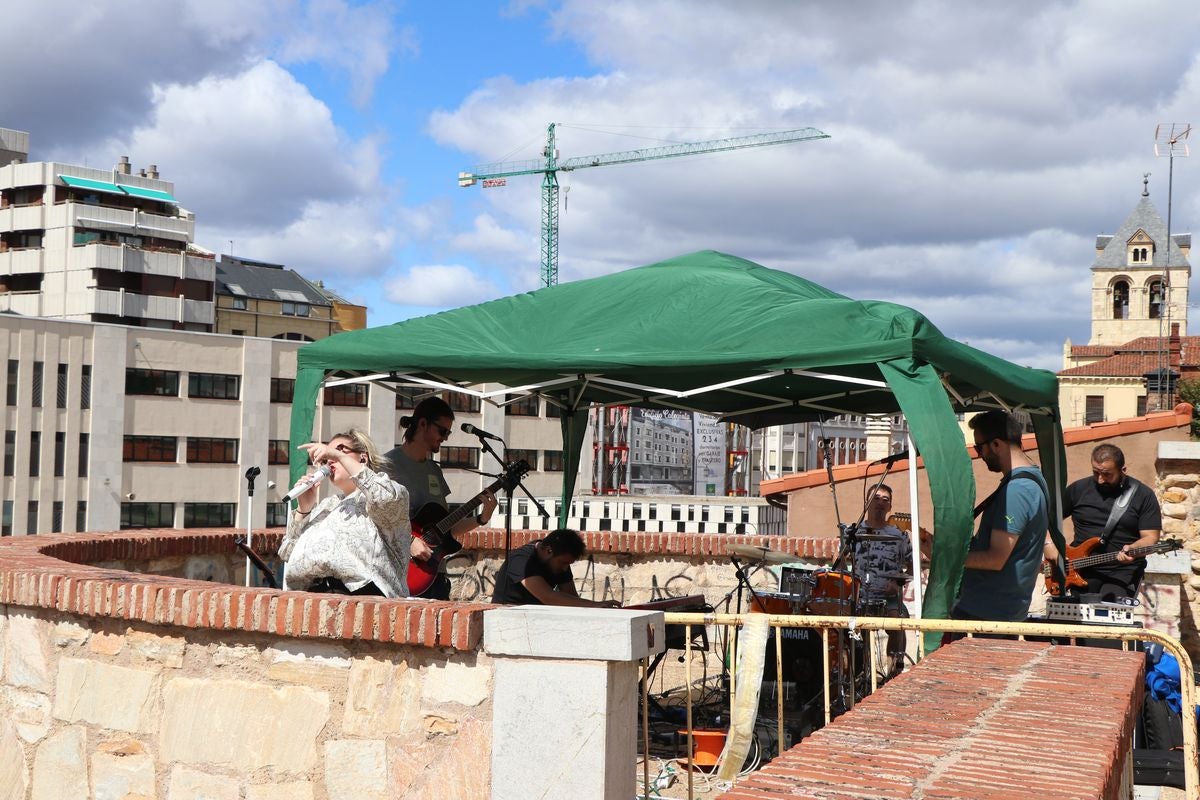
(893, 458)
(307, 482)
(467, 427)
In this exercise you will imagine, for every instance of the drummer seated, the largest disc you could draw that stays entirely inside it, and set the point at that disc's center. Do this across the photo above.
(883, 564)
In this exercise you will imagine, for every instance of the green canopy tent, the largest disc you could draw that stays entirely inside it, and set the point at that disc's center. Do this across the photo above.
(718, 334)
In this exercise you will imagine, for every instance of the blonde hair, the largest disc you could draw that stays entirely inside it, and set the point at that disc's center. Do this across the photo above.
(362, 444)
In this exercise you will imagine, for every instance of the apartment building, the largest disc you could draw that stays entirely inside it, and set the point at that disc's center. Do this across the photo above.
(256, 298)
(113, 426)
(97, 245)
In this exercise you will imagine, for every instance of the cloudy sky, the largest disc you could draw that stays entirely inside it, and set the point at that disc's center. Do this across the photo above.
(976, 148)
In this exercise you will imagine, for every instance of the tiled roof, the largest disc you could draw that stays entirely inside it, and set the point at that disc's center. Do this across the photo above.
(238, 277)
(1144, 217)
(1132, 359)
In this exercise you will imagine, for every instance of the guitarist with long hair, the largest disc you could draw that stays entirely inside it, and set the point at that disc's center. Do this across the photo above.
(1113, 514)
(413, 467)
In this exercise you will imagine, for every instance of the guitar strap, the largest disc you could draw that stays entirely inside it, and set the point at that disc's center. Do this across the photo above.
(1004, 482)
(1118, 509)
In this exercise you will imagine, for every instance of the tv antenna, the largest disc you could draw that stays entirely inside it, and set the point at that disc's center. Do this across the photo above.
(1170, 140)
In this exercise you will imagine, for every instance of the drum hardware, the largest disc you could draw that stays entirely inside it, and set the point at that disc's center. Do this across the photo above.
(766, 555)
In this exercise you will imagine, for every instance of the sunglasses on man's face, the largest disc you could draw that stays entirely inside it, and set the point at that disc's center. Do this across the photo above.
(442, 430)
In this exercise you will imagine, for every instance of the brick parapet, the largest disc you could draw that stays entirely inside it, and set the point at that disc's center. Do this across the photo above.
(65, 572)
(979, 718)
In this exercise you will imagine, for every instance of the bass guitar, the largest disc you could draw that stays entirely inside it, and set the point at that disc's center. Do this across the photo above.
(432, 525)
(1080, 557)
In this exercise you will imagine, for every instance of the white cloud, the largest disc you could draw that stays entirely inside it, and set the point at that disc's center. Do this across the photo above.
(489, 238)
(440, 286)
(975, 152)
(358, 40)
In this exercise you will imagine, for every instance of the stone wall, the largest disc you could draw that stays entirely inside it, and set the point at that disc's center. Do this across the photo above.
(109, 709)
(1179, 492)
(130, 668)
(119, 684)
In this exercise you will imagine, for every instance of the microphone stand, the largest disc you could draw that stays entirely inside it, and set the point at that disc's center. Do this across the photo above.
(251, 474)
(508, 507)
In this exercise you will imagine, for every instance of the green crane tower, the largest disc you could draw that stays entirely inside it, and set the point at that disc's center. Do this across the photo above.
(549, 166)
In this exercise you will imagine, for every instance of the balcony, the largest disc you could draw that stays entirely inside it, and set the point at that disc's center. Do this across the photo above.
(25, 260)
(127, 304)
(126, 220)
(23, 218)
(99, 255)
(28, 304)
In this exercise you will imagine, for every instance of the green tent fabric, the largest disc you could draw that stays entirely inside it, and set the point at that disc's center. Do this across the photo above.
(714, 333)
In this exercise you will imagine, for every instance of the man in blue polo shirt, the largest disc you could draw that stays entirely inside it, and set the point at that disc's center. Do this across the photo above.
(1005, 556)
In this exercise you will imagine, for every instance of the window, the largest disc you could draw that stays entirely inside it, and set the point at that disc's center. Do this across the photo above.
(1141, 406)
(81, 516)
(13, 366)
(60, 454)
(239, 304)
(552, 410)
(208, 515)
(85, 386)
(282, 389)
(147, 515)
(1094, 409)
(526, 406)
(218, 387)
(10, 452)
(459, 457)
(552, 460)
(211, 451)
(278, 451)
(351, 394)
(1120, 294)
(31, 518)
(464, 403)
(277, 514)
(62, 385)
(295, 309)
(83, 455)
(56, 515)
(35, 453)
(151, 448)
(1156, 299)
(6, 522)
(529, 456)
(407, 396)
(152, 381)
(39, 367)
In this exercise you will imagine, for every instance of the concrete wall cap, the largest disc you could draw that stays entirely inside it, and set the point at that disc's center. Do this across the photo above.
(595, 634)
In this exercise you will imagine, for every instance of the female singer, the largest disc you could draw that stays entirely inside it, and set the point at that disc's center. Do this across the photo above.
(356, 542)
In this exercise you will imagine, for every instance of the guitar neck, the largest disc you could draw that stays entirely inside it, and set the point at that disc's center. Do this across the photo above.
(1137, 552)
(447, 522)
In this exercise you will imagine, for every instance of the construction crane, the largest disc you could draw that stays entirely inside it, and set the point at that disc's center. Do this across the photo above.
(549, 166)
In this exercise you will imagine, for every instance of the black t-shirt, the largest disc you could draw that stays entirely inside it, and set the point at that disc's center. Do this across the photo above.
(524, 563)
(1088, 509)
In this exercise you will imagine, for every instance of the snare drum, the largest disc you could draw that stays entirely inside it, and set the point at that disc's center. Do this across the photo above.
(775, 603)
(833, 595)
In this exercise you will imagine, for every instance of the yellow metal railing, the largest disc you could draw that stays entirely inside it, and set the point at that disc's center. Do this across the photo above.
(855, 626)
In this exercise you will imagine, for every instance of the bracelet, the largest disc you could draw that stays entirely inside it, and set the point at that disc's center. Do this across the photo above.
(303, 513)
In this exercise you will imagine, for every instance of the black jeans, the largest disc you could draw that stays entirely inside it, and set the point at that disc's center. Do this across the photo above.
(334, 586)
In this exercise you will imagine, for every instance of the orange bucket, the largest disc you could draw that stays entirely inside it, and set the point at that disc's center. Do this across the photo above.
(707, 746)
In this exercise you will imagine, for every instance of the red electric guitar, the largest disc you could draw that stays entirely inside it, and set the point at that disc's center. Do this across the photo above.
(432, 524)
(1081, 556)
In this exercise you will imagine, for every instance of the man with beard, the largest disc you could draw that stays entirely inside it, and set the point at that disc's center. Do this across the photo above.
(1005, 555)
(1089, 502)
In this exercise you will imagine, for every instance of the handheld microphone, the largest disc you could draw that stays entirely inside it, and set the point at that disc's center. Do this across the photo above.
(307, 482)
(893, 458)
(467, 427)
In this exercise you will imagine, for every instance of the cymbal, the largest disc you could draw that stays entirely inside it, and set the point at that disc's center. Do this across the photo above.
(763, 554)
